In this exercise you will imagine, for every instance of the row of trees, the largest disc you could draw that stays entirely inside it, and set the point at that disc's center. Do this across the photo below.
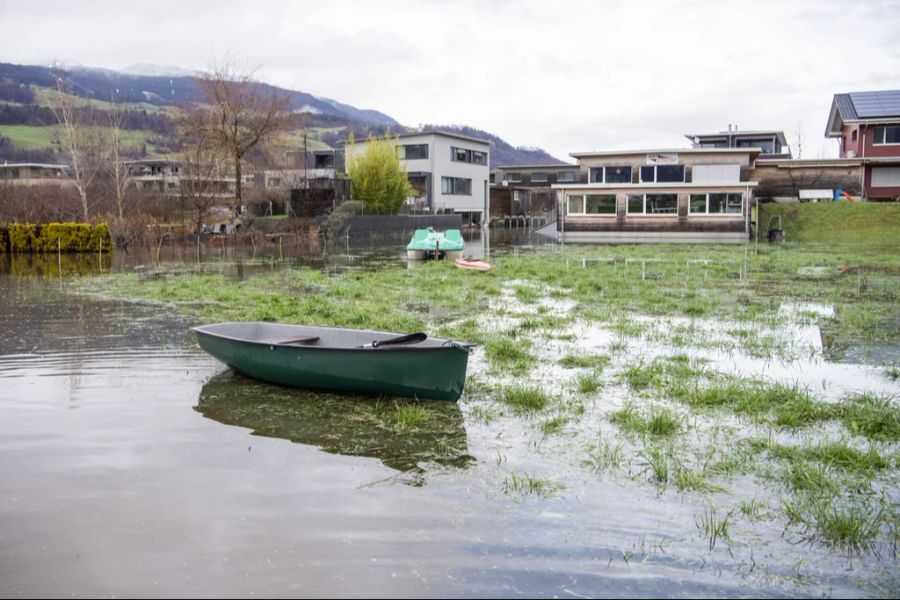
(238, 114)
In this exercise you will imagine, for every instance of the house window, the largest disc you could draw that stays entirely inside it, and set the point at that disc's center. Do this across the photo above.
(716, 204)
(456, 186)
(853, 135)
(565, 177)
(413, 151)
(652, 204)
(493, 178)
(576, 205)
(662, 174)
(468, 156)
(600, 204)
(514, 177)
(766, 146)
(539, 177)
(611, 174)
(887, 135)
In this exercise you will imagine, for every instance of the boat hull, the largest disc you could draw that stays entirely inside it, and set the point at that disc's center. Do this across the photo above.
(436, 371)
(426, 254)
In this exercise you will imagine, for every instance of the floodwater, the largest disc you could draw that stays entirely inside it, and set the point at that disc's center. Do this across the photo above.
(132, 464)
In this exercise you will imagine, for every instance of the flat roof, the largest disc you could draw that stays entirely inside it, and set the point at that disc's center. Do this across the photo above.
(653, 186)
(42, 165)
(556, 166)
(667, 151)
(810, 162)
(750, 132)
(449, 134)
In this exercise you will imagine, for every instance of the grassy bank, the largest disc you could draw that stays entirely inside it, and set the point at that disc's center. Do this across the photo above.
(860, 223)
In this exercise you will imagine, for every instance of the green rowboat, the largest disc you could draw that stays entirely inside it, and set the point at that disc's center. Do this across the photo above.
(430, 243)
(344, 360)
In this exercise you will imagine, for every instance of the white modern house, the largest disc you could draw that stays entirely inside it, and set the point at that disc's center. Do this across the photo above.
(448, 171)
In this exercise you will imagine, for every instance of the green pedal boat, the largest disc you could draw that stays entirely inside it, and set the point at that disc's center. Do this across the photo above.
(431, 243)
(344, 360)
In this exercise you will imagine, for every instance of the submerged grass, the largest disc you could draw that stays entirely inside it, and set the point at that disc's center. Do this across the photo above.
(524, 399)
(525, 484)
(660, 421)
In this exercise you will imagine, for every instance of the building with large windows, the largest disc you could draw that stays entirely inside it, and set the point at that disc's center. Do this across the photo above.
(685, 195)
(449, 173)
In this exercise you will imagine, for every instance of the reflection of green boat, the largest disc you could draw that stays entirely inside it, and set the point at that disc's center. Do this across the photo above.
(349, 425)
(430, 243)
(335, 359)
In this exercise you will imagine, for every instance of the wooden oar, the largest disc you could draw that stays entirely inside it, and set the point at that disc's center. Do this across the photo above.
(412, 338)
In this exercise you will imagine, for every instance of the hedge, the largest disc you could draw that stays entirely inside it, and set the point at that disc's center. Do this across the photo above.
(53, 237)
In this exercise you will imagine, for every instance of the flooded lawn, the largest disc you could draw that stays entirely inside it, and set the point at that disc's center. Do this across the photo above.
(637, 421)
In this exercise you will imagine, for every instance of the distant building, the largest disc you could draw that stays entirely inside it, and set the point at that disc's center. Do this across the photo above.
(771, 143)
(526, 189)
(448, 171)
(33, 173)
(683, 195)
(166, 177)
(867, 124)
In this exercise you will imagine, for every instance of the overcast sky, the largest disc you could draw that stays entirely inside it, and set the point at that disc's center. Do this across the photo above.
(564, 76)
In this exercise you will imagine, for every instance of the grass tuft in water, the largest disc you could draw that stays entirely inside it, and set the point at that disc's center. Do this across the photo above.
(528, 485)
(508, 354)
(660, 422)
(713, 527)
(657, 464)
(587, 361)
(554, 425)
(606, 456)
(525, 399)
(587, 384)
(873, 416)
(409, 416)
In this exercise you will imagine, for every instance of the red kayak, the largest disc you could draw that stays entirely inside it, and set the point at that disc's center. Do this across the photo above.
(472, 263)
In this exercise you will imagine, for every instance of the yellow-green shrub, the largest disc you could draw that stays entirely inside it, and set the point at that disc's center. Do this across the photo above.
(22, 237)
(53, 237)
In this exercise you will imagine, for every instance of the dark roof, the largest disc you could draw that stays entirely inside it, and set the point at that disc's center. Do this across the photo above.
(873, 105)
(857, 106)
(845, 105)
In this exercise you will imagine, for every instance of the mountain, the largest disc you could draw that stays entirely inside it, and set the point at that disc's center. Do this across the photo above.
(503, 154)
(328, 121)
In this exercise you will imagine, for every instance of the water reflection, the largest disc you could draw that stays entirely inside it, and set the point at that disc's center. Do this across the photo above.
(341, 424)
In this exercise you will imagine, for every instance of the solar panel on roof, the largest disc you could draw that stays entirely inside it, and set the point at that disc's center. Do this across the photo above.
(870, 105)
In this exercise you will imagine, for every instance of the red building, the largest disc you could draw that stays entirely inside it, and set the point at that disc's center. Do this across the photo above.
(868, 127)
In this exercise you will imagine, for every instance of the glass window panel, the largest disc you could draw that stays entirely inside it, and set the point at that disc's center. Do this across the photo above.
(648, 174)
(514, 177)
(414, 151)
(734, 204)
(892, 135)
(600, 204)
(539, 177)
(596, 174)
(670, 173)
(879, 135)
(565, 176)
(717, 203)
(662, 204)
(635, 204)
(618, 174)
(698, 203)
(576, 204)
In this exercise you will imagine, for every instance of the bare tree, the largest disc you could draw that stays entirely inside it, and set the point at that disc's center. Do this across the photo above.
(203, 172)
(246, 113)
(120, 178)
(82, 143)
